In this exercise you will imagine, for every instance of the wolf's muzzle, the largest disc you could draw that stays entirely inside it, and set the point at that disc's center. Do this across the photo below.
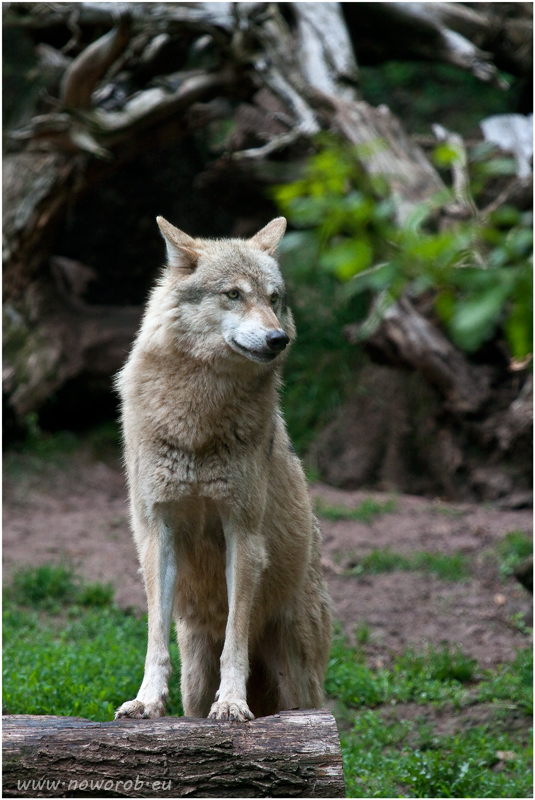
(277, 340)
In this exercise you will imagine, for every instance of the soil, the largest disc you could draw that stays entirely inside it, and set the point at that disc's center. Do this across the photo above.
(75, 510)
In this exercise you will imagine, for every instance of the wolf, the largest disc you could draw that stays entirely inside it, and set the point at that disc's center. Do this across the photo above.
(221, 517)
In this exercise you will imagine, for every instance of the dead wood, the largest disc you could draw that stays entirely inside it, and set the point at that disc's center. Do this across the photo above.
(406, 338)
(83, 74)
(505, 428)
(456, 33)
(387, 152)
(291, 754)
(60, 338)
(133, 77)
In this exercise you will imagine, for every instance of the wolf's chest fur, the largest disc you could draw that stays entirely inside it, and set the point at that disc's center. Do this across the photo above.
(198, 441)
(203, 471)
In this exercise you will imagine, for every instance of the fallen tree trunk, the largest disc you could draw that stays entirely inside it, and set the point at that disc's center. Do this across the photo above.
(291, 754)
(191, 111)
(406, 338)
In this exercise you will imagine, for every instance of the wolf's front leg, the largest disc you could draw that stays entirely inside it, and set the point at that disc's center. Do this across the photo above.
(246, 558)
(158, 561)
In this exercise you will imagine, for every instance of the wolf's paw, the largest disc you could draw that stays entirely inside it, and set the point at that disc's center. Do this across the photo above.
(234, 711)
(135, 709)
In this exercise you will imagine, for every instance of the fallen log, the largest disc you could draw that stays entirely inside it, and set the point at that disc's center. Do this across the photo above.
(291, 754)
(135, 78)
(406, 338)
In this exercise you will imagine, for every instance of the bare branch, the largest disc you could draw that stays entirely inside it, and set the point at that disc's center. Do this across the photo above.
(83, 74)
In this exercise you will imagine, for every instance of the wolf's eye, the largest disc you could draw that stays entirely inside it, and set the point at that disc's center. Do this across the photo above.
(274, 298)
(233, 294)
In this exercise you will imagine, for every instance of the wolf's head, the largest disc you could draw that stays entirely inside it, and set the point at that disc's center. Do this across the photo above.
(225, 298)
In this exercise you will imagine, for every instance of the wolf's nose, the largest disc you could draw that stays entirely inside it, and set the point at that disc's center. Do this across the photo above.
(277, 340)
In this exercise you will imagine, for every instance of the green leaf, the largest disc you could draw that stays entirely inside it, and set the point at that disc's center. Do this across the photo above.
(505, 216)
(359, 207)
(445, 155)
(376, 278)
(474, 319)
(496, 167)
(428, 248)
(518, 326)
(306, 210)
(445, 305)
(348, 258)
(520, 241)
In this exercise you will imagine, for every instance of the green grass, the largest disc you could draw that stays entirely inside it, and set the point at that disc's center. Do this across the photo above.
(386, 757)
(69, 650)
(404, 759)
(52, 587)
(510, 684)
(448, 567)
(433, 676)
(368, 510)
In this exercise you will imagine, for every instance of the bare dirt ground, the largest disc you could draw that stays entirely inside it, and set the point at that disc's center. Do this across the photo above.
(75, 511)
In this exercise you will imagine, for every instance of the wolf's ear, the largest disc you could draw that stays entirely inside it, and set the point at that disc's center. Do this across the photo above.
(182, 250)
(269, 237)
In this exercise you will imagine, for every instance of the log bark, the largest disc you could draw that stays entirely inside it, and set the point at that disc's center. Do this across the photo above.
(291, 754)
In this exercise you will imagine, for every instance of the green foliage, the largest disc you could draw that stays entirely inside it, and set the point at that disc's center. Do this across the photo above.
(510, 684)
(380, 760)
(105, 440)
(480, 270)
(43, 586)
(362, 633)
(52, 586)
(366, 511)
(520, 621)
(320, 369)
(445, 665)
(43, 445)
(385, 758)
(420, 94)
(378, 561)
(512, 550)
(96, 594)
(449, 567)
(434, 676)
